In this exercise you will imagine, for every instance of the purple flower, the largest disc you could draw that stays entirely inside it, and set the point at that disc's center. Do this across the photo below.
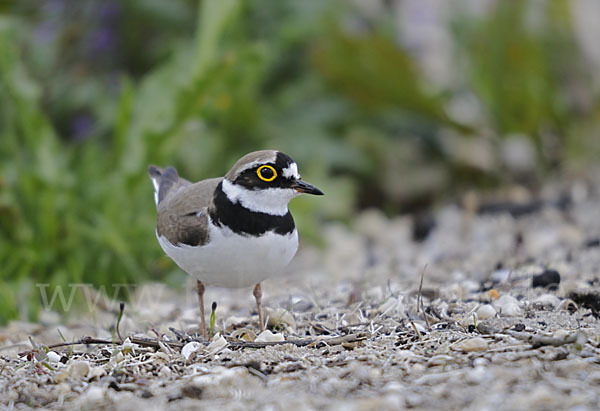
(81, 126)
(102, 40)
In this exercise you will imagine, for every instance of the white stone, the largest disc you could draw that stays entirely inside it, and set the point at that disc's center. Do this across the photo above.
(94, 394)
(547, 299)
(165, 372)
(485, 312)
(53, 357)
(473, 345)
(508, 306)
(279, 316)
(79, 369)
(96, 372)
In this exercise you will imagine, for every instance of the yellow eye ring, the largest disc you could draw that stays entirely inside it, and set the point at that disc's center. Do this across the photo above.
(259, 173)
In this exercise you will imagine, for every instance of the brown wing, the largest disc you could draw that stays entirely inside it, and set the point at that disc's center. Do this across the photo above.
(183, 217)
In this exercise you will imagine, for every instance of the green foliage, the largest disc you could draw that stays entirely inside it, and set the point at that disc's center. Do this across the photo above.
(532, 77)
(82, 213)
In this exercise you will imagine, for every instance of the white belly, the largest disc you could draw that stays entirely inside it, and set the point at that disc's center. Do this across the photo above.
(234, 261)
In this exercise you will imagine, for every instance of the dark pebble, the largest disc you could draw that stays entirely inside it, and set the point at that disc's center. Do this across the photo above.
(549, 279)
(592, 242)
(423, 223)
(113, 384)
(191, 391)
(519, 327)
(562, 355)
(587, 299)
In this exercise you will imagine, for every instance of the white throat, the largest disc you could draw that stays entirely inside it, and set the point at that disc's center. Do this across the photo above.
(272, 201)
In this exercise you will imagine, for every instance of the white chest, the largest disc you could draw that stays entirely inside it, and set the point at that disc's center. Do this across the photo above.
(231, 260)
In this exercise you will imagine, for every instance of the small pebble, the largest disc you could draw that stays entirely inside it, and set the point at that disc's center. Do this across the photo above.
(485, 312)
(508, 306)
(93, 395)
(53, 357)
(473, 345)
(165, 372)
(279, 316)
(477, 375)
(547, 300)
(592, 242)
(549, 279)
(96, 372)
(440, 360)
(586, 299)
(63, 388)
(79, 369)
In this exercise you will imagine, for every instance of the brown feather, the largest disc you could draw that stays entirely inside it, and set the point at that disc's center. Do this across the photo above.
(183, 214)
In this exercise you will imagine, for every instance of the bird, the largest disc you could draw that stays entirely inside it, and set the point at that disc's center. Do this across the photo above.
(233, 231)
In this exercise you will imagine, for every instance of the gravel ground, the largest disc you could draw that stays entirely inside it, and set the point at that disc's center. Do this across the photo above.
(475, 335)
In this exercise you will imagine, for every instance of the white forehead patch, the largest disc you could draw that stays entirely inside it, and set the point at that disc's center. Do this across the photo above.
(249, 166)
(291, 171)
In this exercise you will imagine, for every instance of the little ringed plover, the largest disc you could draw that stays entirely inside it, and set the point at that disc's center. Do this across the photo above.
(233, 231)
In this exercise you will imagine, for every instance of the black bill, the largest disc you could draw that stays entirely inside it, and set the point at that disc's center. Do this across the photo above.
(304, 187)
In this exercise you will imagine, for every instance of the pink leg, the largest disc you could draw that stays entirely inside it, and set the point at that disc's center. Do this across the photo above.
(258, 296)
(201, 301)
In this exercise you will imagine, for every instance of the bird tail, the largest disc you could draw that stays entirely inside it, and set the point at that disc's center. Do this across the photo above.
(163, 180)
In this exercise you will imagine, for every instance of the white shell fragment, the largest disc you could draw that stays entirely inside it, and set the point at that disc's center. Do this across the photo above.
(190, 348)
(217, 344)
(268, 336)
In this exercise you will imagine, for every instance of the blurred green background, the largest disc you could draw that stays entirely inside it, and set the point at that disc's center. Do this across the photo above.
(394, 104)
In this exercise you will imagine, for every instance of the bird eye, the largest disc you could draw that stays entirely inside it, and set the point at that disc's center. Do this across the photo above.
(266, 173)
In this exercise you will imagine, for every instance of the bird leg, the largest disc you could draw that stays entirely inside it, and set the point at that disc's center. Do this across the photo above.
(258, 297)
(201, 301)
